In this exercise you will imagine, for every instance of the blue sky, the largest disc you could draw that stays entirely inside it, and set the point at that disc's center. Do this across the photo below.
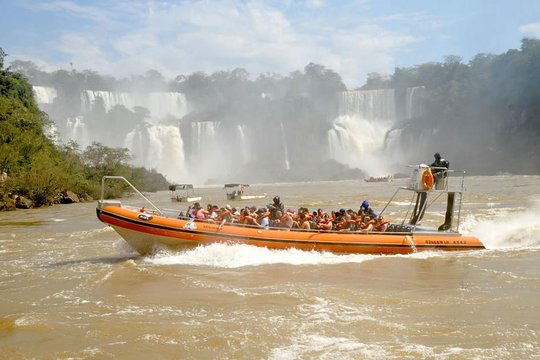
(353, 38)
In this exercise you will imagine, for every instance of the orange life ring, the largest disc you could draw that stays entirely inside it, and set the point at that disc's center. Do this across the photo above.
(427, 179)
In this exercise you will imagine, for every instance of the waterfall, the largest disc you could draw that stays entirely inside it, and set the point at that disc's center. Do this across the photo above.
(159, 147)
(396, 142)
(413, 101)
(244, 143)
(51, 131)
(157, 144)
(44, 95)
(369, 104)
(357, 135)
(160, 104)
(76, 130)
(285, 148)
(354, 141)
(204, 140)
(211, 151)
(110, 99)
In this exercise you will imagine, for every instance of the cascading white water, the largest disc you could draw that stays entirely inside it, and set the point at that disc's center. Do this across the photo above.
(76, 130)
(160, 104)
(211, 151)
(355, 141)
(51, 131)
(204, 140)
(413, 103)
(163, 148)
(44, 94)
(396, 141)
(358, 133)
(369, 104)
(159, 147)
(285, 147)
(244, 143)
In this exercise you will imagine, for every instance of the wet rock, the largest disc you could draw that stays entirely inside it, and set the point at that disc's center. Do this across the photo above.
(69, 197)
(23, 203)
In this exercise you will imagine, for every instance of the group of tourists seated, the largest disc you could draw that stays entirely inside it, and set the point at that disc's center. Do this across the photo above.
(275, 216)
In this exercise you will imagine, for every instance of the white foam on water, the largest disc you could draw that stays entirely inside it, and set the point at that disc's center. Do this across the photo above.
(401, 203)
(83, 234)
(509, 229)
(239, 255)
(318, 346)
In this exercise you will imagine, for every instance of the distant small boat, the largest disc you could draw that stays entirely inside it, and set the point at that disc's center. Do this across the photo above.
(241, 192)
(388, 178)
(183, 193)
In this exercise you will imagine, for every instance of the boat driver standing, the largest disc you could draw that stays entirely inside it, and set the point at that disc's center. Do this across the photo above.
(439, 168)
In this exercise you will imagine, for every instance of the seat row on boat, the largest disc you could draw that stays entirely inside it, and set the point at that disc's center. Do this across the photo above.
(365, 219)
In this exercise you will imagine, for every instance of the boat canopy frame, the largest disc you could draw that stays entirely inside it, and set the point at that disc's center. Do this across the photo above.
(103, 202)
(422, 200)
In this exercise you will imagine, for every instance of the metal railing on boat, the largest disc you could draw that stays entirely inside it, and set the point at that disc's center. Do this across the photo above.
(116, 177)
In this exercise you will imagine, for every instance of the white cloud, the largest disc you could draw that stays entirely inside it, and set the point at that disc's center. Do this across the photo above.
(181, 38)
(315, 4)
(74, 9)
(531, 29)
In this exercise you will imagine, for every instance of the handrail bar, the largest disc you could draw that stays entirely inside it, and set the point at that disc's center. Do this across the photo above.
(130, 185)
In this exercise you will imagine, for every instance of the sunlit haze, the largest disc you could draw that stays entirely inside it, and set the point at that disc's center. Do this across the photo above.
(275, 91)
(352, 38)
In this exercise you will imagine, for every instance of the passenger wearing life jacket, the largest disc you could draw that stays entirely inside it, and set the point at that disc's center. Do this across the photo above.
(252, 212)
(381, 224)
(325, 222)
(224, 216)
(303, 222)
(352, 220)
(367, 224)
(342, 220)
(262, 218)
(234, 212)
(358, 220)
(284, 220)
(246, 218)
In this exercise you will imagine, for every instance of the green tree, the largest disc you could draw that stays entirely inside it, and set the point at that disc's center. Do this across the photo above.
(2, 57)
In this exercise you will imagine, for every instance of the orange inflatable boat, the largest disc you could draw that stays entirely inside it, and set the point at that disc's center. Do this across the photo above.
(145, 229)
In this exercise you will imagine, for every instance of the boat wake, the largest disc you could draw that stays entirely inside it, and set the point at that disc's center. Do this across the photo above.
(508, 230)
(239, 255)
(511, 230)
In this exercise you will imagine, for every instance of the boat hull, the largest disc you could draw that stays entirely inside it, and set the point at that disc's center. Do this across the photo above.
(144, 231)
(245, 197)
(186, 198)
